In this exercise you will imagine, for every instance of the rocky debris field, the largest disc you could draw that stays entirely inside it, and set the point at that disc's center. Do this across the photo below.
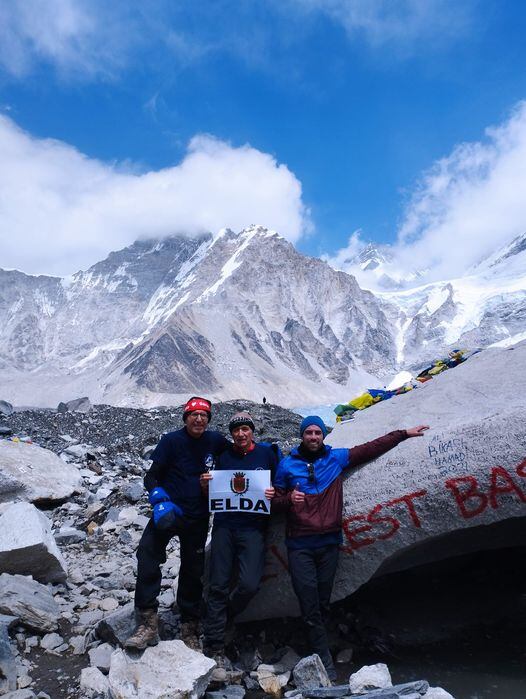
(67, 570)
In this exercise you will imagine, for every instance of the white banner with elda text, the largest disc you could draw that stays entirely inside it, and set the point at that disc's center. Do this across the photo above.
(239, 491)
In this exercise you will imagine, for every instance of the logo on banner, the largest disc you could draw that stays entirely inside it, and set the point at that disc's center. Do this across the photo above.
(239, 483)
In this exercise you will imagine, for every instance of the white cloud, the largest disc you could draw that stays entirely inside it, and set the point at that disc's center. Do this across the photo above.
(344, 255)
(80, 39)
(468, 205)
(61, 211)
(403, 24)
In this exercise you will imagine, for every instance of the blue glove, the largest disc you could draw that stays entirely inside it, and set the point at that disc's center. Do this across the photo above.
(158, 495)
(166, 514)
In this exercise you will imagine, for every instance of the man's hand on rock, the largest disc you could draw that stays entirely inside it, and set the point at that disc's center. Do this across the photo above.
(417, 431)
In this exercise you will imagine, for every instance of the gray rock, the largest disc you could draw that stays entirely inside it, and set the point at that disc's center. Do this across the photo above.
(310, 673)
(41, 475)
(133, 491)
(5, 431)
(78, 644)
(7, 658)
(341, 690)
(5, 408)
(437, 693)
(20, 694)
(370, 677)
(79, 451)
(27, 599)
(51, 641)
(78, 405)
(69, 535)
(168, 669)
(101, 656)
(115, 628)
(233, 691)
(27, 545)
(93, 683)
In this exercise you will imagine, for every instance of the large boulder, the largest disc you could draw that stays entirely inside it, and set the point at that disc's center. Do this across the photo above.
(27, 545)
(454, 490)
(35, 474)
(170, 669)
(77, 405)
(30, 601)
(5, 408)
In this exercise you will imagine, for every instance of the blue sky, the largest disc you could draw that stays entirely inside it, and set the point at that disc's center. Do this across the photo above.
(334, 115)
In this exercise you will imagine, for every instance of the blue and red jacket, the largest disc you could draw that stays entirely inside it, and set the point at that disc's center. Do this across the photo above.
(320, 477)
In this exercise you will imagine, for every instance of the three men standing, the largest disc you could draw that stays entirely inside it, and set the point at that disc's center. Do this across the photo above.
(308, 487)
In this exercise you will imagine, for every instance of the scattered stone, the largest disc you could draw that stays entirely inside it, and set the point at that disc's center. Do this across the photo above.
(5, 431)
(78, 644)
(20, 694)
(78, 405)
(437, 693)
(233, 691)
(288, 661)
(101, 656)
(51, 641)
(41, 475)
(92, 528)
(7, 658)
(24, 681)
(79, 451)
(133, 491)
(170, 668)
(27, 599)
(310, 673)
(117, 627)
(108, 604)
(370, 677)
(27, 545)
(94, 684)
(69, 535)
(272, 678)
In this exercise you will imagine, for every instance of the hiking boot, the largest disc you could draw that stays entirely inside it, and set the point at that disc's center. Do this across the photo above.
(190, 634)
(147, 630)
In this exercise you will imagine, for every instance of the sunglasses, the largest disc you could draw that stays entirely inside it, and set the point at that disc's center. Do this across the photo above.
(310, 471)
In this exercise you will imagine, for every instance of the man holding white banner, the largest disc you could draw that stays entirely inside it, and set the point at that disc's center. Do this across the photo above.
(239, 493)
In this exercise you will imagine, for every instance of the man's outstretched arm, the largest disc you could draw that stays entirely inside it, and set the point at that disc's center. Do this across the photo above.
(363, 453)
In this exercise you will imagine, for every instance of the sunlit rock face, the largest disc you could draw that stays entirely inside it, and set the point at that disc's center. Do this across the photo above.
(239, 315)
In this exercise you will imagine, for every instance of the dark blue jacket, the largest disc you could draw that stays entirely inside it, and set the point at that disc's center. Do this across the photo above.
(178, 461)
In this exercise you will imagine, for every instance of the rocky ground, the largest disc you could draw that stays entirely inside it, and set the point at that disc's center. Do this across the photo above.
(64, 644)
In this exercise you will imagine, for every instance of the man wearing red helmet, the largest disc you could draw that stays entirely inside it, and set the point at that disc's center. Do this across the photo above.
(179, 509)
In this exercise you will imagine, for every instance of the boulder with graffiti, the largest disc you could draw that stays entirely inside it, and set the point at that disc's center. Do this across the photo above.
(458, 489)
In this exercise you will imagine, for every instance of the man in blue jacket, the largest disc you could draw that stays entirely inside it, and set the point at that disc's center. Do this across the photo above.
(179, 509)
(238, 539)
(309, 488)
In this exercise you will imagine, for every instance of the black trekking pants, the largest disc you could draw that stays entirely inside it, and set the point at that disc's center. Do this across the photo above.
(151, 554)
(312, 572)
(232, 549)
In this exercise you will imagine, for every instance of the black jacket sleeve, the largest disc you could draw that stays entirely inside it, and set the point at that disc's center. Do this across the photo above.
(154, 476)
